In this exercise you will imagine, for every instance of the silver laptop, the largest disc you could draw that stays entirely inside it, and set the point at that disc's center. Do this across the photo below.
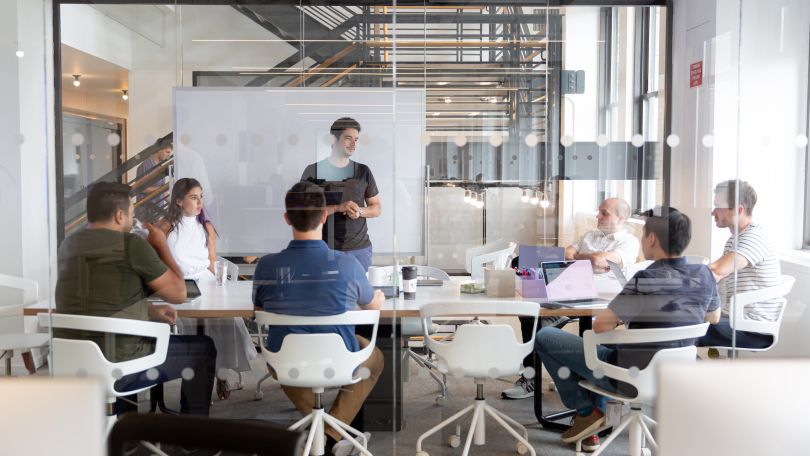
(617, 273)
(571, 284)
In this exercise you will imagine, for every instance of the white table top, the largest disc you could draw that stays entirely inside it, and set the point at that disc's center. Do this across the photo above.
(235, 299)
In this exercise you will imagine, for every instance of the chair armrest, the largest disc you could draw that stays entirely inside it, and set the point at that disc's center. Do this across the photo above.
(738, 303)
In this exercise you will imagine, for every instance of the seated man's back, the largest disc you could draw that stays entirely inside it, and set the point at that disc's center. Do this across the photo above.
(309, 279)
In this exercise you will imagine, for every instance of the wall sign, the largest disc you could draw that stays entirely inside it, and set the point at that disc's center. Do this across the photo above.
(696, 74)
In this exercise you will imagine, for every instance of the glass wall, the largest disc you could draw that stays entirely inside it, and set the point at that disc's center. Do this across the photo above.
(487, 137)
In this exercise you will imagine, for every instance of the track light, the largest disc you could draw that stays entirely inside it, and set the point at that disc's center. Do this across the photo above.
(479, 201)
(125, 95)
(466, 196)
(544, 202)
(76, 82)
(534, 199)
(525, 196)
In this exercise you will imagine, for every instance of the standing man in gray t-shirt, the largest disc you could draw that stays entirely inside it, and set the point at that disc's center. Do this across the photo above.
(754, 260)
(351, 193)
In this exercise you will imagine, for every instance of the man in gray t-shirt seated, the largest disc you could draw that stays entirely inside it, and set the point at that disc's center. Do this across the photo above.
(668, 293)
(754, 259)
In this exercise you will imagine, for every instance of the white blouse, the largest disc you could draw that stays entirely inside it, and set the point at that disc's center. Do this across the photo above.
(187, 245)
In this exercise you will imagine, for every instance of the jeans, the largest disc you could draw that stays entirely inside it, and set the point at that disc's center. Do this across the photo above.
(719, 335)
(558, 349)
(363, 256)
(193, 351)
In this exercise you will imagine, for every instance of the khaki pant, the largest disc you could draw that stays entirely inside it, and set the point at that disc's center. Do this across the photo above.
(350, 397)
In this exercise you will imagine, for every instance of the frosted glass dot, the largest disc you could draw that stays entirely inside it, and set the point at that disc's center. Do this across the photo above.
(673, 140)
(152, 374)
(113, 139)
(564, 373)
(292, 139)
(328, 139)
(185, 139)
(257, 140)
(708, 140)
(602, 140)
(460, 140)
(116, 374)
(77, 139)
(365, 140)
(637, 140)
(425, 139)
(92, 156)
(149, 138)
(455, 255)
(440, 256)
(800, 141)
(20, 54)
(566, 141)
(598, 373)
(294, 373)
(77, 157)
(633, 372)
(81, 372)
(529, 373)
(531, 140)
(121, 156)
(187, 374)
(329, 372)
(20, 139)
(365, 373)
(221, 139)
(496, 139)
(222, 373)
(107, 156)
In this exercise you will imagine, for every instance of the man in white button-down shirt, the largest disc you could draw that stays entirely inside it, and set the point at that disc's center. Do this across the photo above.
(609, 241)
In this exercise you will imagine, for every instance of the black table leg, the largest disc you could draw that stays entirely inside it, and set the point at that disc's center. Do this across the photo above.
(550, 421)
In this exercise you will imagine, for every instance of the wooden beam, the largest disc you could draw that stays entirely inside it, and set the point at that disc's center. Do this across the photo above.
(323, 65)
(339, 76)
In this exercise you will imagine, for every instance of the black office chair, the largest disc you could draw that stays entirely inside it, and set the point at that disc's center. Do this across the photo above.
(233, 437)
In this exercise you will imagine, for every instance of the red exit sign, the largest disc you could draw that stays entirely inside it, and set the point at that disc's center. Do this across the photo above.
(696, 74)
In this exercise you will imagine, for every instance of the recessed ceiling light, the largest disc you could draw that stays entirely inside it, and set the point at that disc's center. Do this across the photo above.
(442, 83)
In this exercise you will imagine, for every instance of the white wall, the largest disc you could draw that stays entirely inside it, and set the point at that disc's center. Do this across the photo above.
(581, 52)
(753, 102)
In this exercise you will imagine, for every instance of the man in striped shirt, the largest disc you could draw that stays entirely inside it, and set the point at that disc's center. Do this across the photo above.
(754, 260)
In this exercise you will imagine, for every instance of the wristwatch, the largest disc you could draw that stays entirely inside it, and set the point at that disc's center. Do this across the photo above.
(360, 212)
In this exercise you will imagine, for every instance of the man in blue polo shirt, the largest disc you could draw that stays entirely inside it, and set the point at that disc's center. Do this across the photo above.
(668, 293)
(310, 279)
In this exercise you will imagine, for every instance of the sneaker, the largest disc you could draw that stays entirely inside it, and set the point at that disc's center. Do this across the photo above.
(590, 444)
(345, 448)
(584, 426)
(523, 388)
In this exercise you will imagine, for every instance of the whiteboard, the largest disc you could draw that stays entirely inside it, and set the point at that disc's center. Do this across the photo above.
(248, 146)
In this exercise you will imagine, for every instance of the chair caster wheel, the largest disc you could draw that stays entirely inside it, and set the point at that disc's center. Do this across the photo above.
(440, 400)
(521, 448)
(258, 395)
(454, 441)
(646, 452)
(421, 453)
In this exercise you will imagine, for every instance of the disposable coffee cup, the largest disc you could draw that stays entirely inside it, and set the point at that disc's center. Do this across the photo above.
(409, 281)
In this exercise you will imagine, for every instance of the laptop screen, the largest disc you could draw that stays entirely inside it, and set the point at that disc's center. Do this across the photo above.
(530, 256)
(553, 269)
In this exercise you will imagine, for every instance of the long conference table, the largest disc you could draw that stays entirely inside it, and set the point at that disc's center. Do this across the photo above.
(234, 299)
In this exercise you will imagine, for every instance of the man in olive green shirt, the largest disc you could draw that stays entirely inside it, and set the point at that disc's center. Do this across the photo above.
(106, 271)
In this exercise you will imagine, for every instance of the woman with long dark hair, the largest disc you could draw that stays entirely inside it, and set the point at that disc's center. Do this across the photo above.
(192, 240)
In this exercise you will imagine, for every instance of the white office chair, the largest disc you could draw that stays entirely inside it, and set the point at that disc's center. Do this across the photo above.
(320, 361)
(20, 341)
(74, 357)
(739, 322)
(412, 326)
(480, 352)
(496, 253)
(643, 380)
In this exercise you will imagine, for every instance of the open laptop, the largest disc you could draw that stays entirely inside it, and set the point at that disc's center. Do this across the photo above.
(617, 273)
(193, 293)
(571, 283)
(530, 256)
